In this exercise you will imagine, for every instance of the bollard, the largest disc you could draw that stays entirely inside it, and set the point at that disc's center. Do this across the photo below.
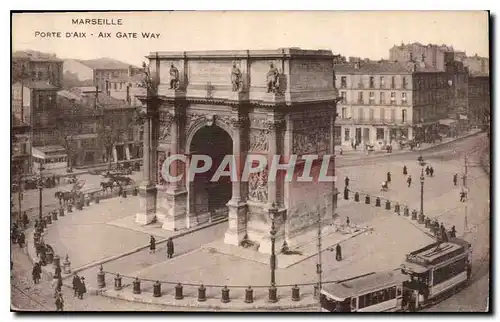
(156, 289)
(295, 293)
(421, 218)
(136, 285)
(397, 208)
(57, 261)
(225, 295)
(101, 282)
(66, 265)
(118, 282)
(356, 197)
(69, 208)
(48, 219)
(178, 292)
(273, 296)
(61, 212)
(427, 222)
(377, 202)
(367, 200)
(54, 215)
(406, 211)
(202, 294)
(387, 205)
(414, 215)
(249, 295)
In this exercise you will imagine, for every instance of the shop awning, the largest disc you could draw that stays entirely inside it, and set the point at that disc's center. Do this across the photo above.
(447, 122)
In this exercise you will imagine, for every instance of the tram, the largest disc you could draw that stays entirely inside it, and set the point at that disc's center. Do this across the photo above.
(425, 277)
(435, 270)
(373, 292)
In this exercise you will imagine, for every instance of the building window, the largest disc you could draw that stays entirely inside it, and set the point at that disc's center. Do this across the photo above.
(382, 98)
(380, 133)
(372, 114)
(403, 97)
(382, 82)
(347, 135)
(343, 82)
(382, 115)
(344, 112)
(343, 95)
(360, 98)
(393, 115)
(121, 85)
(361, 114)
(372, 82)
(114, 86)
(393, 82)
(393, 97)
(404, 83)
(372, 97)
(403, 116)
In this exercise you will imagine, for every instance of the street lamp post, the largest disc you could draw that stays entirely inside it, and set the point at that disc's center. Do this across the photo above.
(272, 290)
(40, 201)
(422, 179)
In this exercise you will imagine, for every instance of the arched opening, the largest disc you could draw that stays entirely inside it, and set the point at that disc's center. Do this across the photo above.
(210, 197)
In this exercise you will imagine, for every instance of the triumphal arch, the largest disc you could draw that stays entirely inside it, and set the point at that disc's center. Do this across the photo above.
(240, 103)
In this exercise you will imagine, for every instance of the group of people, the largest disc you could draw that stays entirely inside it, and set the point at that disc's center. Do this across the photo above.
(440, 232)
(170, 246)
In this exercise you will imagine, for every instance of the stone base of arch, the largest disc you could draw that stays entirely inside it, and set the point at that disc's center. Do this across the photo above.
(237, 228)
(147, 199)
(175, 212)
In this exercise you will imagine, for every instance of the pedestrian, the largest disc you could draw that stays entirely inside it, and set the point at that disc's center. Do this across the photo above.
(152, 244)
(444, 235)
(346, 181)
(346, 193)
(427, 170)
(21, 239)
(463, 196)
(455, 179)
(36, 273)
(347, 221)
(388, 177)
(58, 286)
(338, 253)
(405, 170)
(59, 302)
(76, 284)
(170, 248)
(26, 221)
(409, 181)
(43, 254)
(57, 271)
(81, 288)
(431, 171)
(453, 232)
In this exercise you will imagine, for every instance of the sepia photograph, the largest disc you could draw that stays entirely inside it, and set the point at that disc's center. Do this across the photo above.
(250, 161)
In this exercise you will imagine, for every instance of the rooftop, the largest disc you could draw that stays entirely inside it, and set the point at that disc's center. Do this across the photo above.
(364, 284)
(103, 100)
(50, 148)
(40, 84)
(105, 63)
(33, 55)
(382, 67)
(274, 53)
(437, 252)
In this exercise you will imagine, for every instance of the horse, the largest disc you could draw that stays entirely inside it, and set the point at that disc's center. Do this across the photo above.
(106, 185)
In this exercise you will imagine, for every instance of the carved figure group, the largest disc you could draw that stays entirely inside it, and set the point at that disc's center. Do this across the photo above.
(150, 83)
(236, 78)
(257, 186)
(272, 79)
(259, 141)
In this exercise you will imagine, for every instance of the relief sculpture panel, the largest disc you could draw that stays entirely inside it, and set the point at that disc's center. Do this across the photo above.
(257, 186)
(311, 141)
(165, 123)
(161, 159)
(259, 141)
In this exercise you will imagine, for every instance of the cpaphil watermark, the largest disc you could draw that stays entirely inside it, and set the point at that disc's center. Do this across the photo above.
(307, 168)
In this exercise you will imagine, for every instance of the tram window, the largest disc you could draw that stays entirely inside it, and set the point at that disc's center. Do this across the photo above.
(392, 293)
(446, 272)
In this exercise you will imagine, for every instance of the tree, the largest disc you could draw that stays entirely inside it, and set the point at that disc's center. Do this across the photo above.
(109, 134)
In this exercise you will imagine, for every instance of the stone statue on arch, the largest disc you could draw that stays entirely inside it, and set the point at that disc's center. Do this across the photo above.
(272, 79)
(174, 77)
(236, 78)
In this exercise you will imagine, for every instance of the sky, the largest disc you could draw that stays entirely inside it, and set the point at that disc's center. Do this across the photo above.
(367, 34)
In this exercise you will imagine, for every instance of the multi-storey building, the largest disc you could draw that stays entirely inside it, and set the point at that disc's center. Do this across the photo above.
(433, 55)
(479, 99)
(99, 70)
(83, 113)
(389, 101)
(36, 66)
(477, 65)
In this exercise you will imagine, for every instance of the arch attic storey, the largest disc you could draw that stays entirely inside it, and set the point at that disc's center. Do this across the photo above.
(263, 102)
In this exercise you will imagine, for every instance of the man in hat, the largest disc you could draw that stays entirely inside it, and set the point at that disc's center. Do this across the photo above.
(81, 288)
(21, 239)
(76, 284)
(59, 302)
(58, 286)
(170, 248)
(36, 273)
(409, 181)
(405, 170)
(346, 181)
(388, 177)
(338, 253)
(455, 179)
